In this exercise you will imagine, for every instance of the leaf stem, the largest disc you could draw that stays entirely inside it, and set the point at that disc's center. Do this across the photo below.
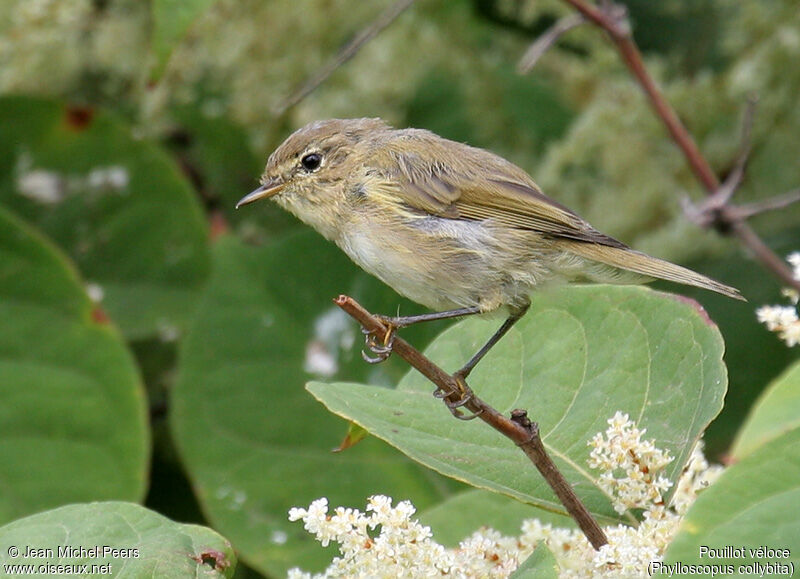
(519, 429)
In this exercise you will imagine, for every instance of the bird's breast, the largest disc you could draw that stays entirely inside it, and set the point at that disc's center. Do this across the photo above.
(438, 262)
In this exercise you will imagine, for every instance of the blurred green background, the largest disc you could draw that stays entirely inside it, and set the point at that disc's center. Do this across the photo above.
(146, 317)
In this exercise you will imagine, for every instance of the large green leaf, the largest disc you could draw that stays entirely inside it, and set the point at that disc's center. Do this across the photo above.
(755, 503)
(776, 412)
(218, 149)
(577, 357)
(72, 423)
(754, 356)
(253, 441)
(115, 539)
(116, 204)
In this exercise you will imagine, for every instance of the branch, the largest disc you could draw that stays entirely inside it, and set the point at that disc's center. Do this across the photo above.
(612, 19)
(545, 41)
(771, 204)
(518, 428)
(349, 51)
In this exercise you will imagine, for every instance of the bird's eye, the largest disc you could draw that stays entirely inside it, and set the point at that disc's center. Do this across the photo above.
(311, 161)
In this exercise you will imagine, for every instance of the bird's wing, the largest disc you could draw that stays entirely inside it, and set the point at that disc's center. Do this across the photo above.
(480, 185)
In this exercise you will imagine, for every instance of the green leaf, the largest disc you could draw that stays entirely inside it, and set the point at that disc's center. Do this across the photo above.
(116, 204)
(218, 149)
(253, 442)
(131, 541)
(754, 356)
(540, 565)
(73, 424)
(577, 357)
(776, 412)
(171, 21)
(754, 503)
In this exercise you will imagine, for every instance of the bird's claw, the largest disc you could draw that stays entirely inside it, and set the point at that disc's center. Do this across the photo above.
(465, 395)
(382, 349)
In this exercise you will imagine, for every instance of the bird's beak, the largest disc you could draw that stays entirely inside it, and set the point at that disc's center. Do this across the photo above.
(268, 189)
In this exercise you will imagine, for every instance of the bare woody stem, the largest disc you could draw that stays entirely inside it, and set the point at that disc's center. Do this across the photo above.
(620, 34)
(349, 51)
(518, 428)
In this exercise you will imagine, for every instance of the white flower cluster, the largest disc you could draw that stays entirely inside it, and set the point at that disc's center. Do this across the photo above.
(784, 319)
(630, 466)
(696, 477)
(50, 187)
(629, 549)
(386, 542)
(627, 554)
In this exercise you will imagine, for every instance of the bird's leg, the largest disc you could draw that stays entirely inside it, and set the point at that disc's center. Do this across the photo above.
(465, 392)
(398, 322)
(382, 347)
(512, 319)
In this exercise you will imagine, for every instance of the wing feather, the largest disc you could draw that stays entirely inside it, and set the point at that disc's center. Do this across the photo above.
(477, 184)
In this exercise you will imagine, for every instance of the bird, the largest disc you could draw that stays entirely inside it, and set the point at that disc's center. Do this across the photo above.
(453, 227)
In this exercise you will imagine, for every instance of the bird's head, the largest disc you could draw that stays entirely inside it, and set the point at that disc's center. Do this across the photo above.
(310, 167)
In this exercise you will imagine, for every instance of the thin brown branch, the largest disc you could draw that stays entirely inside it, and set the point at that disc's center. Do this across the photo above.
(518, 428)
(764, 254)
(612, 19)
(349, 51)
(542, 44)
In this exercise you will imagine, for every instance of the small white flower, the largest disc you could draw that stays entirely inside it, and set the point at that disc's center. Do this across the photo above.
(794, 261)
(46, 187)
(112, 178)
(95, 292)
(319, 360)
(630, 466)
(783, 320)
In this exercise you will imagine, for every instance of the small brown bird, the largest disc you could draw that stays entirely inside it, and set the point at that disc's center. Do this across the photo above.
(453, 227)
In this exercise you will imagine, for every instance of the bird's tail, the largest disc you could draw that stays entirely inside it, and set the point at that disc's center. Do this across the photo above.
(641, 263)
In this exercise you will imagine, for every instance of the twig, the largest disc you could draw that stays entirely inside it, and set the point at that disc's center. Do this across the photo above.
(518, 428)
(724, 192)
(735, 217)
(757, 207)
(349, 51)
(764, 254)
(546, 40)
(612, 19)
(715, 210)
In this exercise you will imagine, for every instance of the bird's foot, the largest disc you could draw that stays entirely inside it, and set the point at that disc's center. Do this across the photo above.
(457, 398)
(380, 346)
